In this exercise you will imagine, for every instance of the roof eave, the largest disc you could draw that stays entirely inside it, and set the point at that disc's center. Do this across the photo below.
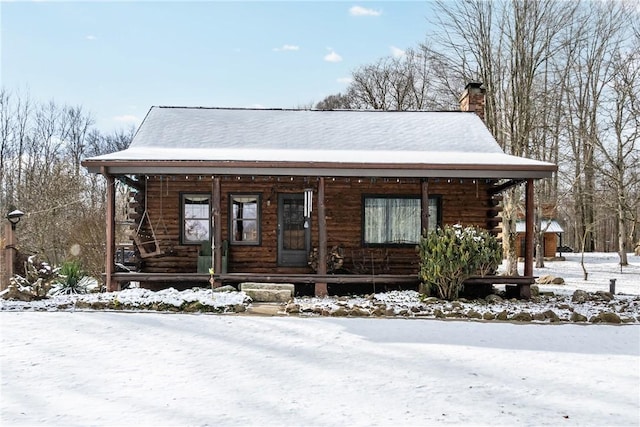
(196, 167)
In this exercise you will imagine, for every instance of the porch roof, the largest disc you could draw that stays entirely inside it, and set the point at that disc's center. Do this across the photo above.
(186, 140)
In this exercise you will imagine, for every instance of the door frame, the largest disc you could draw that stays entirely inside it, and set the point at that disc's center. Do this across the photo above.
(288, 257)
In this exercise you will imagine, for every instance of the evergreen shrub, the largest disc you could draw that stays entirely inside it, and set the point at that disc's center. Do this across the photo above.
(450, 255)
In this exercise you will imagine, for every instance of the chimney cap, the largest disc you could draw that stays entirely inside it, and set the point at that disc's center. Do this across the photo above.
(473, 85)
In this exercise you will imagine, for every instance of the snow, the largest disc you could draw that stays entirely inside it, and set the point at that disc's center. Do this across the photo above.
(94, 367)
(322, 139)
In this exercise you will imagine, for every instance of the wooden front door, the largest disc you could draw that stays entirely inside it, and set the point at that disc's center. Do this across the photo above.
(294, 231)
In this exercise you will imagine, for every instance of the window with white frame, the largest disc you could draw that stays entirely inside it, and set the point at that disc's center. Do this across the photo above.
(245, 219)
(395, 220)
(196, 218)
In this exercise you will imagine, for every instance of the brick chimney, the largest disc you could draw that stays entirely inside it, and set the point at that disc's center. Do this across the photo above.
(472, 99)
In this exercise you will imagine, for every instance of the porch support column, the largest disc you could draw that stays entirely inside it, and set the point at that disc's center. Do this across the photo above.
(321, 288)
(217, 226)
(110, 251)
(424, 218)
(525, 290)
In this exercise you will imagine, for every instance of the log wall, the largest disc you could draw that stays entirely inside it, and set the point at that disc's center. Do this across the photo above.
(466, 202)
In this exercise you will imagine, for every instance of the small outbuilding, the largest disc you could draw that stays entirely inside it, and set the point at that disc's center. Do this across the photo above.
(300, 196)
(552, 237)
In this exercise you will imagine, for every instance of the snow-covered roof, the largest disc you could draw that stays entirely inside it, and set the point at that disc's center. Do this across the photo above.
(547, 225)
(294, 141)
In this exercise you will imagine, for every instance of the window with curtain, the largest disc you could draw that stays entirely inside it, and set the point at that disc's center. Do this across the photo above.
(196, 218)
(245, 219)
(396, 220)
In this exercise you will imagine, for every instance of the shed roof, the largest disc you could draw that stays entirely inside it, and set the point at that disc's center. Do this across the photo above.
(312, 142)
(547, 225)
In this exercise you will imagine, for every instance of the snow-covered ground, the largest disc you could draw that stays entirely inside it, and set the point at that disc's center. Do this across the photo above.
(120, 369)
(601, 268)
(77, 366)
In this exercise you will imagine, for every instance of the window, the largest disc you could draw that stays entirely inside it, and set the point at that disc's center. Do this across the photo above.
(196, 218)
(396, 220)
(245, 219)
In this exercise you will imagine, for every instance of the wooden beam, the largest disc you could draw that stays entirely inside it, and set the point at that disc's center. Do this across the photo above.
(321, 287)
(500, 188)
(405, 279)
(217, 225)
(131, 182)
(525, 291)
(110, 266)
(424, 217)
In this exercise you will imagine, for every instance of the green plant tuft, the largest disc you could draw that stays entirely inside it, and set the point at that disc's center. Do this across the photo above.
(73, 280)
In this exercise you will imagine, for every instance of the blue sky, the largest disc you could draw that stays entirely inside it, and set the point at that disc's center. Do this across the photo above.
(117, 59)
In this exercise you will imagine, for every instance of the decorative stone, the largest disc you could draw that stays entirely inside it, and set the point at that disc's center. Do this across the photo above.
(13, 293)
(358, 311)
(605, 296)
(239, 308)
(523, 316)
(580, 296)
(577, 317)
(472, 314)
(551, 315)
(378, 311)
(535, 291)
(609, 317)
(493, 299)
(550, 280)
(292, 308)
(538, 317)
(503, 315)
(340, 312)
(488, 316)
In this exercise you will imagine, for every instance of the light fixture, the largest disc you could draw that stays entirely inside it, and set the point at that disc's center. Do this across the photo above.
(14, 217)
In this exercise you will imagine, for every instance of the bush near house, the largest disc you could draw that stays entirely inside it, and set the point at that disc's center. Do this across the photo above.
(450, 255)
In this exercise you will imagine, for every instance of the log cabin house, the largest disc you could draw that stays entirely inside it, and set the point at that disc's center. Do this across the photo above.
(324, 198)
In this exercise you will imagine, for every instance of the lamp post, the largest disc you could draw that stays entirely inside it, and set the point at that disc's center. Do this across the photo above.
(14, 218)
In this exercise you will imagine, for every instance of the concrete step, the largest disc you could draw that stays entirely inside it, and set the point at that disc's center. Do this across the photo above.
(268, 292)
(272, 286)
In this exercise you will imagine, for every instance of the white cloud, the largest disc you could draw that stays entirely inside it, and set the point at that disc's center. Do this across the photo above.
(332, 57)
(396, 52)
(363, 11)
(286, 47)
(127, 118)
(90, 37)
(344, 80)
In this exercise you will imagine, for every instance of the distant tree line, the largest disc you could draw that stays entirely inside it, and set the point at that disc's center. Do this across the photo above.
(563, 84)
(41, 147)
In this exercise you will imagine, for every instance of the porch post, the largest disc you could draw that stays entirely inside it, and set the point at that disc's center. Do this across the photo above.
(321, 288)
(217, 226)
(424, 218)
(110, 251)
(525, 290)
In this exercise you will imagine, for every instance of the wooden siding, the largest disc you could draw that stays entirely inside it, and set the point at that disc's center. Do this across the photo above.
(467, 202)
